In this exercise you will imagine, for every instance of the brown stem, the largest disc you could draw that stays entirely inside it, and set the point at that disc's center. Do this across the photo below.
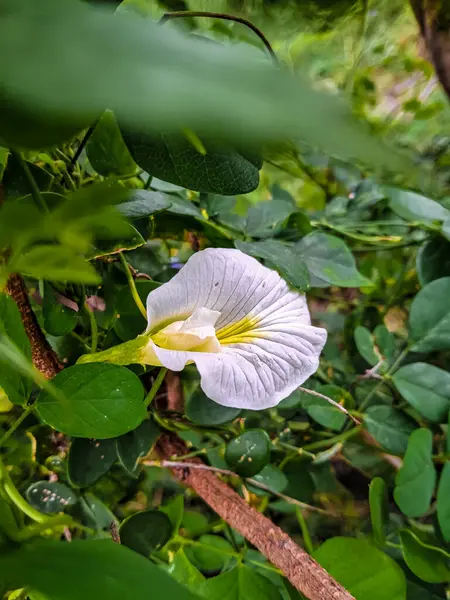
(305, 574)
(44, 358)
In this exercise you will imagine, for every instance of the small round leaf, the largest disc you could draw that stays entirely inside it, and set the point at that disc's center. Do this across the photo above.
(90, 459)
(249, 453)
(212, 553)
(146, 531)
(50, 497)
(203, 411)
(135, 444)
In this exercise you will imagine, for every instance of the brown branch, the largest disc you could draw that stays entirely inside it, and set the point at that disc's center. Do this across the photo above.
(44, 358)
(305, 574)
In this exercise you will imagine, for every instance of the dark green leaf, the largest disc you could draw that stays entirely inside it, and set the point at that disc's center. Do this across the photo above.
(415, 207)
(385, 341)
(443, 502)
(146, 531)
(426, 388)
(108, 570)
(415, 481)
(90, 459)
(136, 444)
(280, 256)
(389, 427)
(101, 401)
(429, 319)
(58, 318)
(249, 452)
(427, 561)
(433, 260)
(50, 496)
(182, 207)
(145, 203)
(266, 219)
(272, 477)
(330, 261)
(174, 509)
(241, 583)
(378, 508)
(106, 149)
(203, 411)
(366, 572)
(130, 322)
(130, 240)
(173, 158)
(183, 571)
(16, 387)
(96, 514)
(323, 411)
(211, 554)
(366, 346)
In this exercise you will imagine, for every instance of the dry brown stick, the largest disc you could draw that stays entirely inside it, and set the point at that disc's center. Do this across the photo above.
(305, 574)
(44, 358)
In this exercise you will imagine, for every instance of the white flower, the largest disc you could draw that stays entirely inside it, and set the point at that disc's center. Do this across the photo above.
(249, 335)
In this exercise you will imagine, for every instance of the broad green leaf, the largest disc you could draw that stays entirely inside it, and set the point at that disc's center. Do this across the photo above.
(221, 170)
(185, 208)
(16, 387)
(194, 523)
(389, 427)
(285, 259)
(211, 554)
(323, 411)
(57, 263)
(433, 260)
(378, 508)
(266, 219)
(426, 561)
(50, 496)
(130, 240)
(96, 515)
(272, 477)
(364, 570)
(183, 571)
(136, 444)
(415, 481)
(162, 80)
(106, 149)
(366, 346)
(426, 388)
(443, 502)
(146, 531)
(415, 207)
(249, 452)
(385, 341)
(145, 203)
(429, 319)
(100, 401)
(203, 411)
(330, 261)
(129, 320)
(108, 570)
(90, 459)
(58, 318)
(174, 509)
(241, 583)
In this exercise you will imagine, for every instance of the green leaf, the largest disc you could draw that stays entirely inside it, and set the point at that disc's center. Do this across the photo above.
(415, 481)
(241, 583)
(426, 388)
(433, 260)
(272, 477)
(211, 554)
(96, 515)
(145, 203)
(58, 318)
(182, 207)
(429, 319)
(146, 531)
(106, 149)
(322, 411)
(428, 562)
(415, 207)
(249, 452)
(100, 401)
(366, 572)
(90, 459)
(266, 219)
(16, 387)
(130, 240)
(183, 571)
(108, 570)
(330, 261)
(366, 346)
(389, 427)
(50, 496)
(443, 502)
(174, 510)
(203, 411)
(220, 170)
(130, 322)
(281, 257)
(57, 263)
(136, 444)
(378, 508)
(385, 341)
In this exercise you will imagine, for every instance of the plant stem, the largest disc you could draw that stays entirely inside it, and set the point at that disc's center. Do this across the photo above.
(305, 532)
(94, 328)
(34, 189)
(17, 499)
(15, 425)
(342, 437)
(155, 387)
(82, 145)
(148, 182)
(132, 285)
